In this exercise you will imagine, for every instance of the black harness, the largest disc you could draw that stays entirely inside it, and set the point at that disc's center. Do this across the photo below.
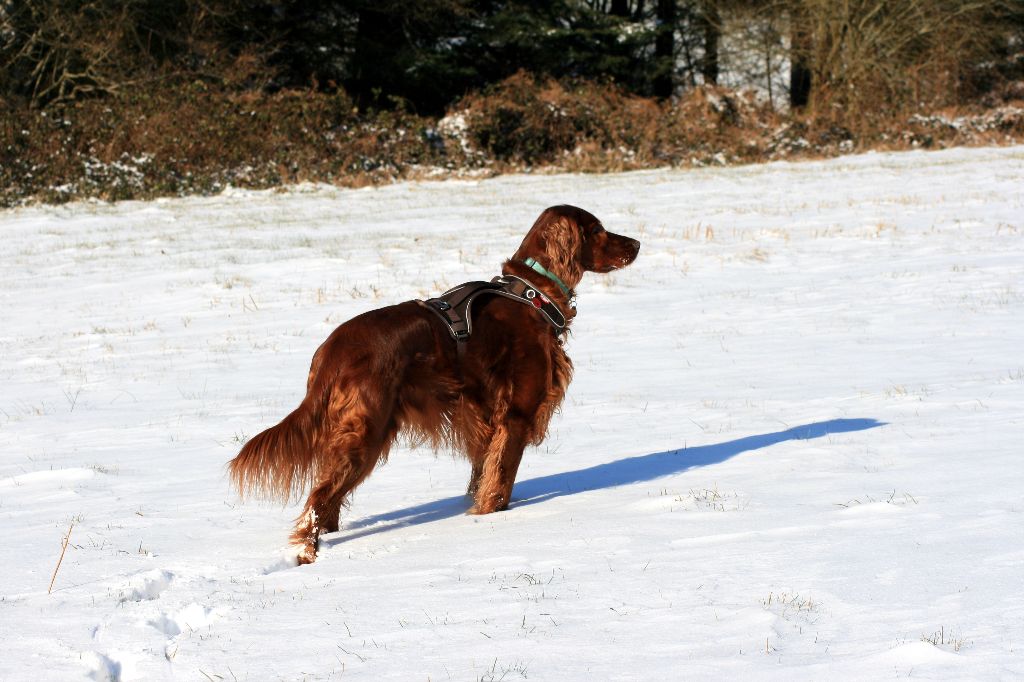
(454, 305)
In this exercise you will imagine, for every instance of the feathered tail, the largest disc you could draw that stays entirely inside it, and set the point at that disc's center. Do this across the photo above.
(281, 461)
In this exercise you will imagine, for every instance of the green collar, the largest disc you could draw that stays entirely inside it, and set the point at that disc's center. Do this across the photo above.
(537, 267)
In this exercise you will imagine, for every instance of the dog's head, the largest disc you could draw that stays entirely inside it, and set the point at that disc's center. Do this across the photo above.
(569, 241)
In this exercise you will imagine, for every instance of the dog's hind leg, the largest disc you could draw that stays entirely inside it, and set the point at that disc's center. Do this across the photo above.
(354, 454)
(320, 515)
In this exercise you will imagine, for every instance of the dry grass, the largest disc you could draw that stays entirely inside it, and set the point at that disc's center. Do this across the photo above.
(64, 542)
(946, 638)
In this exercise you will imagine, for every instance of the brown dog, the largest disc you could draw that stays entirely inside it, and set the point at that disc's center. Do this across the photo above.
(398, 369)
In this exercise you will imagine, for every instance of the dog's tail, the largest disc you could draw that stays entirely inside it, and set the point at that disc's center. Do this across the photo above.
(281, 461)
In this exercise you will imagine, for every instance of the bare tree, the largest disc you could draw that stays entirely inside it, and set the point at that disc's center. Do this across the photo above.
(54, 51)
(853, 56)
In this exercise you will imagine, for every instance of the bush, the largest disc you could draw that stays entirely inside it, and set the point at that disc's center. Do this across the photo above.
(589, 126)
(196, 139)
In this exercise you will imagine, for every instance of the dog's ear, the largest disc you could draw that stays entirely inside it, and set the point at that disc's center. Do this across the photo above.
(563, 246)
(556, 242)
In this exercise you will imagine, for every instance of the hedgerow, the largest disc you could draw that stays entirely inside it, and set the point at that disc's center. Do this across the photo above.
(196, 139)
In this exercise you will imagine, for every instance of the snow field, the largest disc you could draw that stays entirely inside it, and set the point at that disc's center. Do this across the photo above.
(791, 449)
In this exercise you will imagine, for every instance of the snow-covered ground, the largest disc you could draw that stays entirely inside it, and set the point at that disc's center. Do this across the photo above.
(792, 449)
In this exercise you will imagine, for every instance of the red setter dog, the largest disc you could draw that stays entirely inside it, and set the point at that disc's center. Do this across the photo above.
(398, 369)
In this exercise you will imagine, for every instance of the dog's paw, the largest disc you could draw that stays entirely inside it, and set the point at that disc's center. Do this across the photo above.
(306, 537)
(305, 553)
(490, 504)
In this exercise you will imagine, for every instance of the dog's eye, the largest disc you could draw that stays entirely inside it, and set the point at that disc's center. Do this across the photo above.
(596, 229)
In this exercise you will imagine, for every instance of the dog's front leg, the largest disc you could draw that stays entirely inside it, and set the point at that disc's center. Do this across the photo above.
(499, 466)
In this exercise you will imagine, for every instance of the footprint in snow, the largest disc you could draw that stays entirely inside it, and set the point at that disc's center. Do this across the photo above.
(191, 618)
(101, 667)
(183, 623)
(147, 586)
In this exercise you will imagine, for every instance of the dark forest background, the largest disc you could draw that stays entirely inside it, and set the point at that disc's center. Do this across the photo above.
(145, 97)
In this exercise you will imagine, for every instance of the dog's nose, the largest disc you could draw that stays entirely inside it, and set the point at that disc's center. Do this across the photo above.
(629, 253)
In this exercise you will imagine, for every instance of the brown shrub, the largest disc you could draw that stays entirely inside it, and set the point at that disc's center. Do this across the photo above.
(588, 126)
(197, 140)
(194, 141)
(531, 123)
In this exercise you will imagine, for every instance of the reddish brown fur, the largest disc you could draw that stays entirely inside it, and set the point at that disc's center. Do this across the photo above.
(396, 369)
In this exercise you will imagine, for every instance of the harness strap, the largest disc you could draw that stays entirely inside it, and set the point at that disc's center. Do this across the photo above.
(520, 289)
(455, 305)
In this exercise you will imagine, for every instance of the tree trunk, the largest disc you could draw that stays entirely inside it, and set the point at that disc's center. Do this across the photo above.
(375, 68)
(711, 24)
(639, 13)
(800, 45)
(665, 49)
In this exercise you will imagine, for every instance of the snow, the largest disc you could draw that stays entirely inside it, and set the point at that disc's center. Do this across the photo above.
(791, 449)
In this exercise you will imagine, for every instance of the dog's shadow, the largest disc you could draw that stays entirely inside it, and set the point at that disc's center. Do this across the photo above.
(607, 475)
